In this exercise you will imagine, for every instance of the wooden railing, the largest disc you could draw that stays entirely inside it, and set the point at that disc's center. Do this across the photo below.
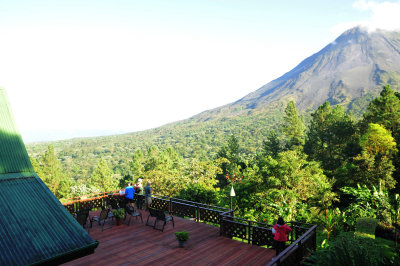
(298, 250)
(182, 208)
(302, 237)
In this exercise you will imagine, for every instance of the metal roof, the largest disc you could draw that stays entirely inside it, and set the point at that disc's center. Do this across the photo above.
(34, 227)
(13, 155)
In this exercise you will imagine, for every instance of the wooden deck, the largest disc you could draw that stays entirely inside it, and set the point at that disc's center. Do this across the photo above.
(139, 244)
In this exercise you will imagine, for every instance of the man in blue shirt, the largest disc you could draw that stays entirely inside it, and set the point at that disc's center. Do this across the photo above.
(129, 193)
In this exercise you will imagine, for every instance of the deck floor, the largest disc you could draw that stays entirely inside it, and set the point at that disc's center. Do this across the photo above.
(138, 244)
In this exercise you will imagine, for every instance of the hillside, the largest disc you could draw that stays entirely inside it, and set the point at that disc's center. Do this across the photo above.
(349, 71)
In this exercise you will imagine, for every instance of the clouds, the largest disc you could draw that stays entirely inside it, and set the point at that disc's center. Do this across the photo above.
(384, 15)
(376, 15)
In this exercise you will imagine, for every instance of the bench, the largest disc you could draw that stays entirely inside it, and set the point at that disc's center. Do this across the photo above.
(159, 215)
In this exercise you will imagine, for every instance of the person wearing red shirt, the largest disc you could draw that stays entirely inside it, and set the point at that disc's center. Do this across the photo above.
(280, 229)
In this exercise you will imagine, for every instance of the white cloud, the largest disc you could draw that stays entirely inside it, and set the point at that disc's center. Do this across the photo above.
(381, 15)
(384, 15)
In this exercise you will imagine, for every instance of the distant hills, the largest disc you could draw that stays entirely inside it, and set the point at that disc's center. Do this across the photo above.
(350, 71)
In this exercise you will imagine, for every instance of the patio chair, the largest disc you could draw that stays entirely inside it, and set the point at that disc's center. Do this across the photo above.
(160, 216)
(130, 210)
(102, 219)
(83, 218)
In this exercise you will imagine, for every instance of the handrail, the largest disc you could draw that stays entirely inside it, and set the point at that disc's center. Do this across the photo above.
(255, 233)
(90, 196)
(290, 250)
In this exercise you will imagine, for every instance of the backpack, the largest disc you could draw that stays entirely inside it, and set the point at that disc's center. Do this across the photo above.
(137, 189)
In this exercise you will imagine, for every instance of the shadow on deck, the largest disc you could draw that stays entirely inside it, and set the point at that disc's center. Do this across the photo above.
(142, 245)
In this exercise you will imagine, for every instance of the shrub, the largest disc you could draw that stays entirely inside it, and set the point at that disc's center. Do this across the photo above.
(182, 236)
(366, 227)
(120, 213)
(350, 249)
(199, 193)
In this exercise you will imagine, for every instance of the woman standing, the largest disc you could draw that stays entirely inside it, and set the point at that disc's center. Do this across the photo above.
(140, 194)
(280, 229)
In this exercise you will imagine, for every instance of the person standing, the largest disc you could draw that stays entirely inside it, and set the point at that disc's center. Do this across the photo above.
(129, 193)
(280, 229)
(140, 194)
(147, 193)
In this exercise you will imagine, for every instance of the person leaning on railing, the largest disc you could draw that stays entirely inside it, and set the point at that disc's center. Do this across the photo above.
(129, 193)
(147, 193)
(280, 230)
(140, 194)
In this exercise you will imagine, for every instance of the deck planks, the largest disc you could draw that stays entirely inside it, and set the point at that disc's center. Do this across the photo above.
(138, 244)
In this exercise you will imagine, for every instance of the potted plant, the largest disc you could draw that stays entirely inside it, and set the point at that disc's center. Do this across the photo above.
(119, 215)
(182, 237)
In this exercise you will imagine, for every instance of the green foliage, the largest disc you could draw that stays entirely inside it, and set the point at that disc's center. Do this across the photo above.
(384, 110)
(293, 127)
(367, 203)
(231, 161)
(332, 222)
(330, 138)
(80, 190)
(102, 177)
(349, 249)
(49, 169)
(374, 165)
(377, 141)
(199, 193)
(182, 236)
(366, 227)
(119, 213)
(273, 174)
(272, 146)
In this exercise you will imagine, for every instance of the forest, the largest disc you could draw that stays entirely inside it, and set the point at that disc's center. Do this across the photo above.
(328, 168)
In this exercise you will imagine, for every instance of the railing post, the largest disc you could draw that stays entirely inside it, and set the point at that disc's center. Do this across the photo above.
(314, 239)
(221, 224)
(249, 232)
(197, 213)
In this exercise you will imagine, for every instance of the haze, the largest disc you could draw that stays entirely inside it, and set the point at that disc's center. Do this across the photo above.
(89, 68)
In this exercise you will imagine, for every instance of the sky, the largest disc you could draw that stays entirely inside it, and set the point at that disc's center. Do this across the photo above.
(81, 68)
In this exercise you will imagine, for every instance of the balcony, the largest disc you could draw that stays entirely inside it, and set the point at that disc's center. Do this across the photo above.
(216, 237)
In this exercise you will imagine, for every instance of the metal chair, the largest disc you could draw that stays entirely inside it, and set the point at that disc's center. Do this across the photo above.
(104, 216)
(160, 216)
(83, 219)
(130, 210)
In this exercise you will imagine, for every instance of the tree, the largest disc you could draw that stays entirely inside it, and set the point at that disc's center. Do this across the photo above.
(50, 171)
(374, 165)
(137, 165)
(272, 145)
(230, 161)
(385, 110)
(331, 138)
(282, 185)
(102, 177)
(293, 127)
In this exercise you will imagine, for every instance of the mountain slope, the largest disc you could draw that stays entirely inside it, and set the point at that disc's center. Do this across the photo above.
(350, 71)
(355, 65)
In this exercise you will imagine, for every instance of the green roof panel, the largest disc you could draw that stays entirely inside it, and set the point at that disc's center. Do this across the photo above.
(13, 155)
(34, 227)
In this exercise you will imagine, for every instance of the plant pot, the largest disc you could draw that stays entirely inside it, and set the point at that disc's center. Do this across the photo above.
(181, 243)
(119, 221)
